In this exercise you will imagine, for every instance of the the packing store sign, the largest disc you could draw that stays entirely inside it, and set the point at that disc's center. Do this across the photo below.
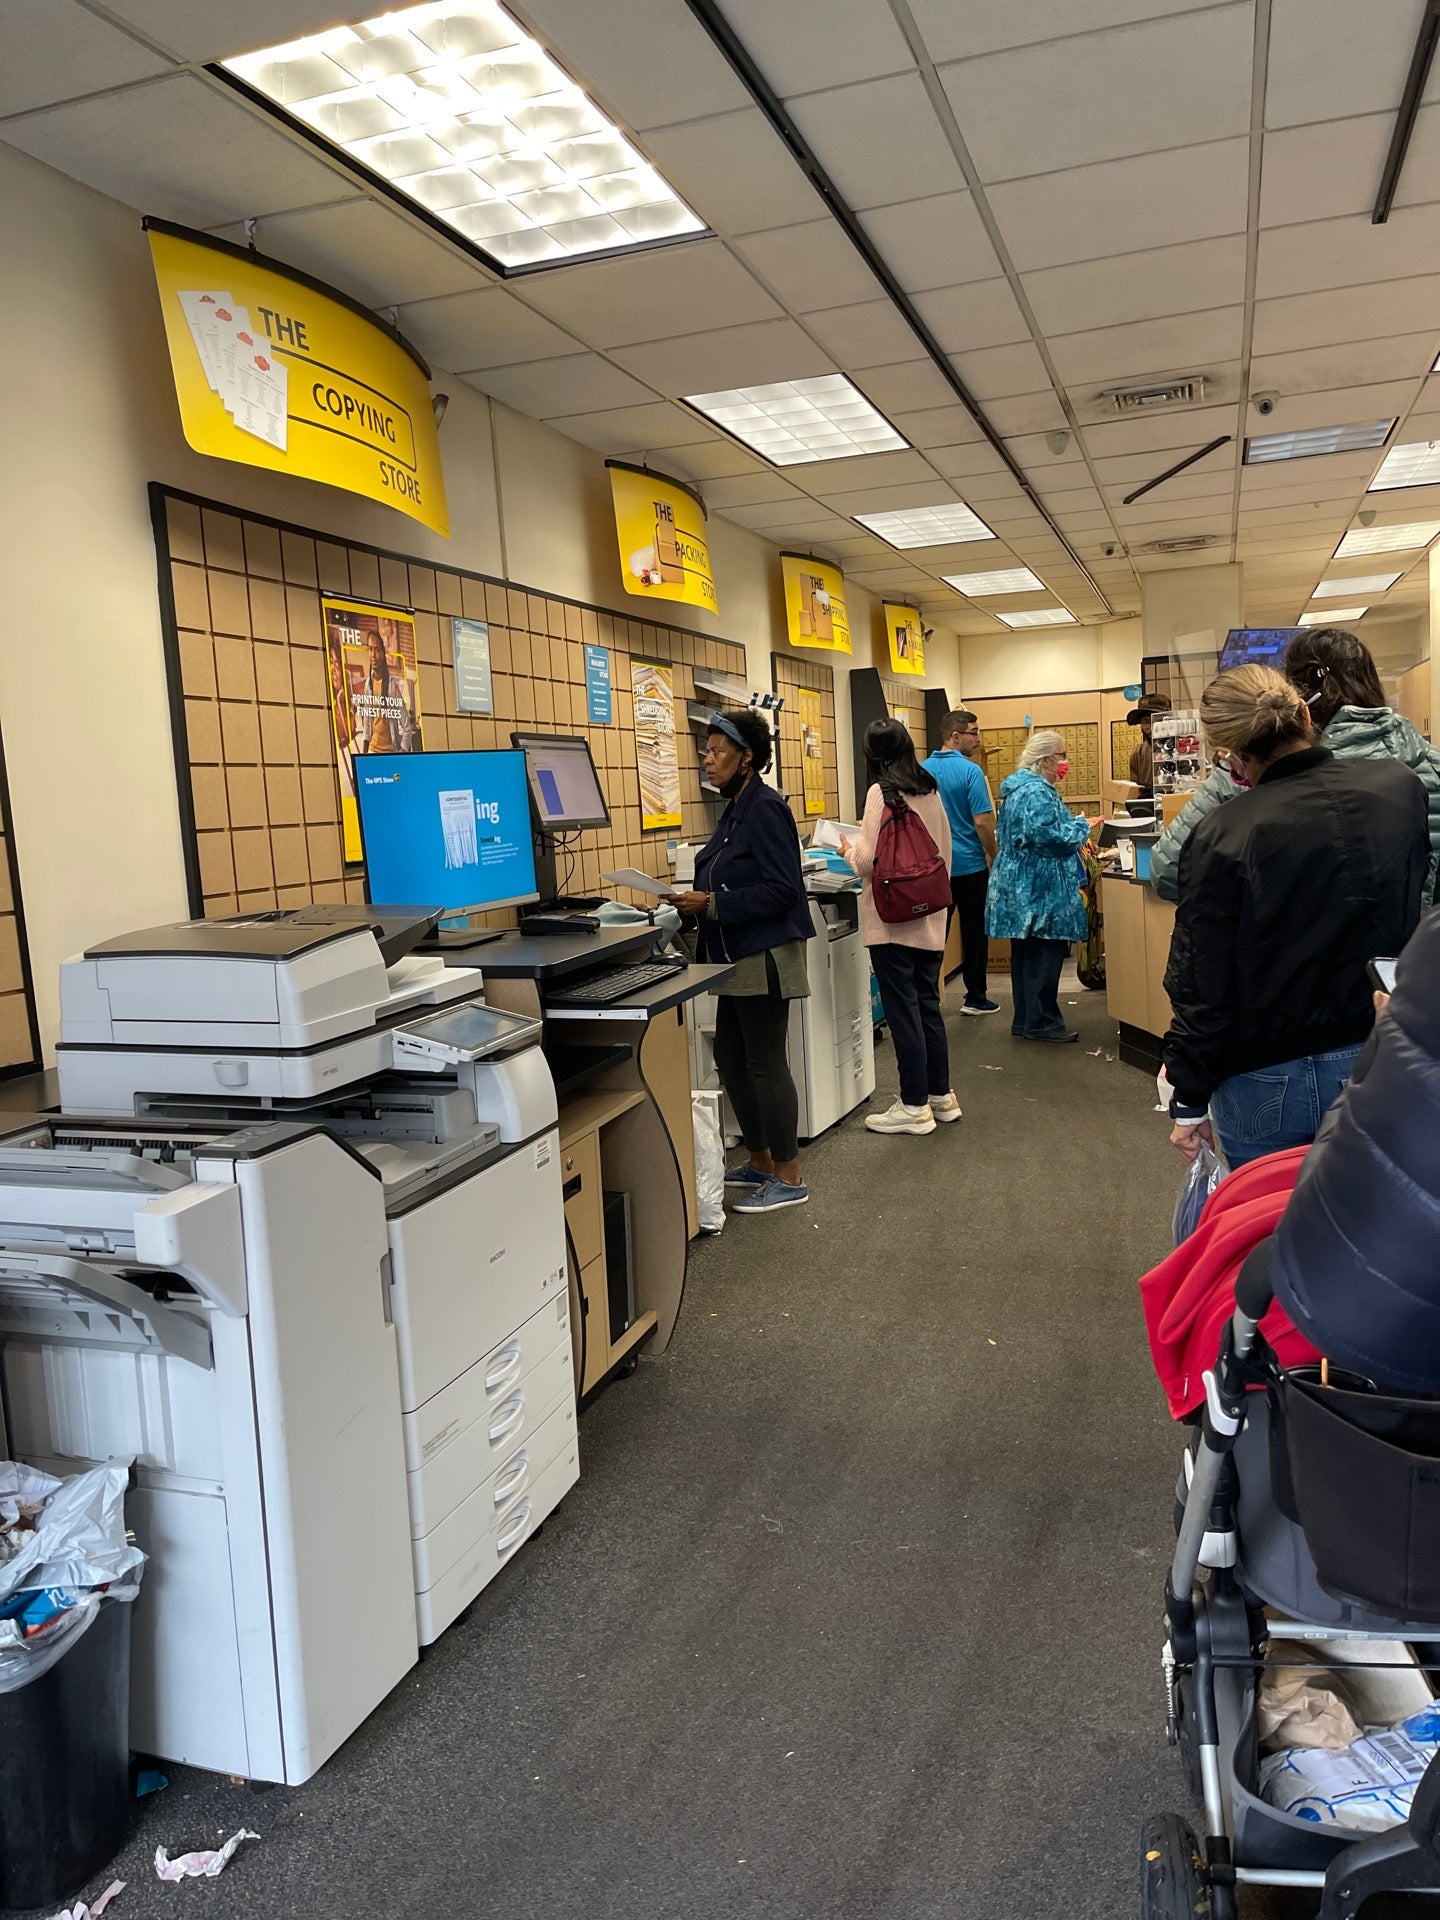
(275, 370)
(815, 611)
(660, 524)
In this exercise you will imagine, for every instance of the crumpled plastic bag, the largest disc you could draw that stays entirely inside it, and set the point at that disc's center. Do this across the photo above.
(1366, 1787)
(200, 1866)
(709, 1161)
(1303, 1707)
(23, 1490)
(78, 1538)
(1204, 1174)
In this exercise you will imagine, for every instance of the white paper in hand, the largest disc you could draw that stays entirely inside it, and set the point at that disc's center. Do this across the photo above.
(641, 882)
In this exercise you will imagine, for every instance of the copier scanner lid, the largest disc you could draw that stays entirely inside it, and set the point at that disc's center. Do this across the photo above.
(276, 934)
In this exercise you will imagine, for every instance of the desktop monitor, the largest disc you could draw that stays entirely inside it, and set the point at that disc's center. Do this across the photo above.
(564, 786)
(449, 829)
(1256, 646)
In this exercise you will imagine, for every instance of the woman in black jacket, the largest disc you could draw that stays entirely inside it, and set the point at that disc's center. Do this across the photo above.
(749, 904)
(1285, 893)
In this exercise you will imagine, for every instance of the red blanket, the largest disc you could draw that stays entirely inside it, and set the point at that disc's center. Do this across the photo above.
(1188, 1298)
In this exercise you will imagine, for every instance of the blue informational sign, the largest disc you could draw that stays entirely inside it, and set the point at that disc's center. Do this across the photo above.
(473, 691)
(449, 830)
(598, 699)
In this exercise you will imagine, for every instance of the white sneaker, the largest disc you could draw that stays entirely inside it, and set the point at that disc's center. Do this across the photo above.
(902, 1119)
(945, 1106)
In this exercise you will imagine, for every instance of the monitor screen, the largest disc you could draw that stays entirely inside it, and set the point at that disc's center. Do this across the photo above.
(564, 786)
(451, 830)
(1256, 646)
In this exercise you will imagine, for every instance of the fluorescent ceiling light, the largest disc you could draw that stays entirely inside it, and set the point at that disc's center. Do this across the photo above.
(1332, 616)
(1004, 580)
(1413, 465)
(798, 420)
(457, 110)
(1357, 583)
(1312, 440)
(1039, 617)
(1399, 539)
(941, 526)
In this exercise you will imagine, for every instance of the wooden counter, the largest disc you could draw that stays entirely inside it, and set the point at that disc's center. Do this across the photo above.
(1138, 926)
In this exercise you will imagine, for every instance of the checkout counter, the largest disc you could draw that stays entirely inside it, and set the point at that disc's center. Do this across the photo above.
(1138, 927)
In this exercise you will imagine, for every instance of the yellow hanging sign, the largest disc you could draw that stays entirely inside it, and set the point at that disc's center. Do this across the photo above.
(273, 369)
(815, 611)
(660, 524)
(905, 632)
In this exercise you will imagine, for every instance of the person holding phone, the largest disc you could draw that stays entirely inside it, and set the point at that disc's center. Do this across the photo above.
(1286, 893)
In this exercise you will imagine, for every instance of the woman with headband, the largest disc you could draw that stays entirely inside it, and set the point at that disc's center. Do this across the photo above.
(748, 903)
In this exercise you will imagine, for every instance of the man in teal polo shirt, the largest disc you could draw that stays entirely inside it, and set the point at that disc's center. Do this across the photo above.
(966, 794)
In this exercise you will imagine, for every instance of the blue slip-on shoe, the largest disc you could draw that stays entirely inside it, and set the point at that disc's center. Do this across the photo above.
(770, 1198)
(746, 1176)
(981, 1006)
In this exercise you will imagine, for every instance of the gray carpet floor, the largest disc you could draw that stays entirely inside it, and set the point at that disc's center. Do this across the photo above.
(855, 1610)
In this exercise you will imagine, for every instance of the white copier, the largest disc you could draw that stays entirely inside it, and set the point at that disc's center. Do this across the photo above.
(832, 1035)
(296, 1244)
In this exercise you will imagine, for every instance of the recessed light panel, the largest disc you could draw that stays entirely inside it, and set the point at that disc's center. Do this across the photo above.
(798, 420)
(940, 526)
(1357, 583)
(1039, 617)
(1399, 539)
(1332, 616)
(1261, 447)
(1417, 464)
(1004, 580)
(458, 110)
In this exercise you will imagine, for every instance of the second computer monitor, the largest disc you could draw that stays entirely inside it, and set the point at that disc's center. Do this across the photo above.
(565, 790)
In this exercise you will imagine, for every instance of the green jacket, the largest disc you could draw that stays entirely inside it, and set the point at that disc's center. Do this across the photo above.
(1354, 733)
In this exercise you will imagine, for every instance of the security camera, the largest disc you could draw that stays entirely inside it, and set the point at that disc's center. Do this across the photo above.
(1265, 403)
(1367, 516)
(1110, 550)
(927, 633)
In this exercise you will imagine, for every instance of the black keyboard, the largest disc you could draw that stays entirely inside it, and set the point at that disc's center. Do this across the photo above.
(615, 983)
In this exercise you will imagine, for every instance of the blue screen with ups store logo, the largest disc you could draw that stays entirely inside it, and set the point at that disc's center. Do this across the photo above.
(448, 830)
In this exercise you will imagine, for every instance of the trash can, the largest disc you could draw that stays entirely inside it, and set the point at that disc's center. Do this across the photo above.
(65, 1765)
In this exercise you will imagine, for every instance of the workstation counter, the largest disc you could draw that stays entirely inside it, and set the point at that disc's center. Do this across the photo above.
(1138, 926)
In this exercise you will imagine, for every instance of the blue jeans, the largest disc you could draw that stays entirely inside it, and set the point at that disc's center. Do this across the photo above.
(1277, 1107)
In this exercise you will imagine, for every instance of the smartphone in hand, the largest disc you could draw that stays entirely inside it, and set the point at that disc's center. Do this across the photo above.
(1382, 974)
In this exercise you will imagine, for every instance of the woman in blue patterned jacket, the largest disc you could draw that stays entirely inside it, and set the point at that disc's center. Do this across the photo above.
(1034, 900)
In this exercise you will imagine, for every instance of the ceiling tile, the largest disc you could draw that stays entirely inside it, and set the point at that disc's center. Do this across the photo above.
(578, 383)
(650, 296)
(983, 314)
(983, 26)
(1330, 59)
(1026, 413)
(373, 254)
(1185, 343)
(654, 428)
(810, 266)
(871, 334)
(1176, 429)
(651, 60)
(1183, 80)
(751, 490)
(854, 499)
(963, 461)
(1347, 313)
(216, 29)
(1347, 253)
(735, 173)
(993, 373)
(178, 148)
(1139, 286)
(868, 470)
(911, 385)
(939, 241)
(712, 459)
(1123, 206)
(55, 51)
(936, 427)
(797, 54)
(879, 141)
(490, 328)
(1324, 172)
(1336, 369)
(749, 356)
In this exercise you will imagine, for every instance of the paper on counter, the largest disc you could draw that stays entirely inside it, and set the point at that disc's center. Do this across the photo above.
(200, 1866)
(641, 882)
(81, 1912)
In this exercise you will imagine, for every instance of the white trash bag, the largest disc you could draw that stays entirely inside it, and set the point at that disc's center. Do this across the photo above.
(709, 1161)
(65, 1536)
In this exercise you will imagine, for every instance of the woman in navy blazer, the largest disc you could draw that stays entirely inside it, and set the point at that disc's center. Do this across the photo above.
(750, 909)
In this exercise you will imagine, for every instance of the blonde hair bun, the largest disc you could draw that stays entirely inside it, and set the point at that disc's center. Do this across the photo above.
(1252, 710)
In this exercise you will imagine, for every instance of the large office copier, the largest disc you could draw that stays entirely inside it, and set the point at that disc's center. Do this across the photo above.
(295, 1243)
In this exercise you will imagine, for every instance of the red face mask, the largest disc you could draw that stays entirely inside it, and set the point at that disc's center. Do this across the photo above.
(1062, 767)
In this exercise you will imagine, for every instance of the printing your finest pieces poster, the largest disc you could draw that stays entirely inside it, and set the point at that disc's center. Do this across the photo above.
(655, 755)
(374, 693)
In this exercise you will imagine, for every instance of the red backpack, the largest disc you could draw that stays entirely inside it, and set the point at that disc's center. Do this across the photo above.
(908, 880)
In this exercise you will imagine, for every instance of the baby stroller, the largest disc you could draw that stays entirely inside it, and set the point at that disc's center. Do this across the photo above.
(1310, 1514)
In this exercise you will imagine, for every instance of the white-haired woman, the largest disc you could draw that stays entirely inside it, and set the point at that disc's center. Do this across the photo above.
(1034, 900)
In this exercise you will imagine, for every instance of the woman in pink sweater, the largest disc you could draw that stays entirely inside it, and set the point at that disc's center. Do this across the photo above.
(906, 957)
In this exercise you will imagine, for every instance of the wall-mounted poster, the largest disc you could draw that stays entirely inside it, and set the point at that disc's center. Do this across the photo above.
(654, 688)
(812, 748)
(815, 611)
(374, 693)
(474, 692)
(660, 524)
(599, 700)
(905, 635)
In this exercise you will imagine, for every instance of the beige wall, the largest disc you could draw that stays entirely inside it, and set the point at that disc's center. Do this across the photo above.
(1046, 660)
(88, 402)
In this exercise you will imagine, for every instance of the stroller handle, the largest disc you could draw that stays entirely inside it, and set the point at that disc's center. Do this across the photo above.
(1254, 1289)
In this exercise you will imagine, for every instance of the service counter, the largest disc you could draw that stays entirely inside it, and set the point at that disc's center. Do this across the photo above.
(1138, 926)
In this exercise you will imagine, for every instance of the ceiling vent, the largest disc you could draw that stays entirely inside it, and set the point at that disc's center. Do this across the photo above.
(1182, 543)
(1164, 393)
